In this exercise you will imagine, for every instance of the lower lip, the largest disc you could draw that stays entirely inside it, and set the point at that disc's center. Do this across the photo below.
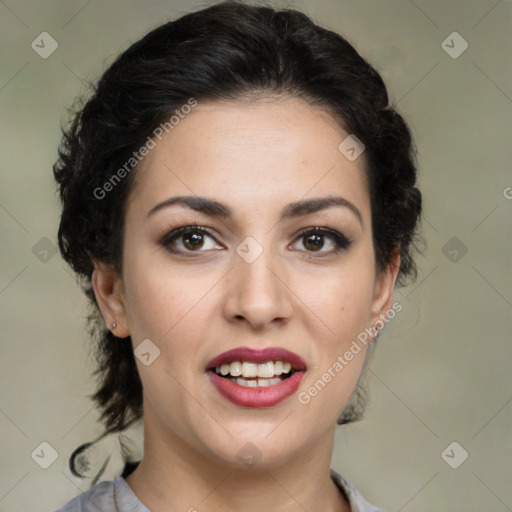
(265, 396)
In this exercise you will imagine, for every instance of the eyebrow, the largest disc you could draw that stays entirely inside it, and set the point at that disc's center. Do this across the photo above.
(215, 209)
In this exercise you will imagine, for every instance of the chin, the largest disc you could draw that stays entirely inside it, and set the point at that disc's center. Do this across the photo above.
(256, 446)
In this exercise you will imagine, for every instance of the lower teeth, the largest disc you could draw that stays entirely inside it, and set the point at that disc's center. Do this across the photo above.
(255, 383)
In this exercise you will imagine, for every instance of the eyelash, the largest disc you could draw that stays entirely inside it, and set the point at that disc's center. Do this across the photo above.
(341, 241)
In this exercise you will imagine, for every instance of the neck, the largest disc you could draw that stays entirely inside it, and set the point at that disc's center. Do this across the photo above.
(174, 476)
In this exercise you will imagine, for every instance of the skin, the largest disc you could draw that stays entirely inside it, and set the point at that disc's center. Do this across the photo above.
(255, 157)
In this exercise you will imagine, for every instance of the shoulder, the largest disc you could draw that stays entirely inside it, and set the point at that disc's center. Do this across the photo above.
(100, 496)
(108, 496)
(355, 498)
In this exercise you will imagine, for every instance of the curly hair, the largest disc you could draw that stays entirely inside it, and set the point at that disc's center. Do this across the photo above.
(225, 52)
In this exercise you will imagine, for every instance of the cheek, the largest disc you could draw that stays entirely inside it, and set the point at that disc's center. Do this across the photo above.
(173, 309)
(159, 299)
(166, 307)
(340, 299)
(344, 311)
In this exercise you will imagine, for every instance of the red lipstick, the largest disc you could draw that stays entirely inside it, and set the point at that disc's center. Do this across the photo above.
(258, 356)
(268, 395)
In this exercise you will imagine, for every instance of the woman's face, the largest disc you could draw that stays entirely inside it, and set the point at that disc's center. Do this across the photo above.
(252, 276)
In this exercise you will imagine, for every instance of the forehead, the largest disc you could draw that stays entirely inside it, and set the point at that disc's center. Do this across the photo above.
(251, 153)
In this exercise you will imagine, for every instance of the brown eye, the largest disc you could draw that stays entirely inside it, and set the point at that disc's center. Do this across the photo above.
(193, 241)
(313, 242)
(322, 240)
(188, 239)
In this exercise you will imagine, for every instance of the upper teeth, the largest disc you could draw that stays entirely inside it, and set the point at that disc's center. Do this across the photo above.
(247, 370)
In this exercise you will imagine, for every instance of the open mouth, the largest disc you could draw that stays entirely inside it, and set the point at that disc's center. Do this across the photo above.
(255, 375)
(250, 377)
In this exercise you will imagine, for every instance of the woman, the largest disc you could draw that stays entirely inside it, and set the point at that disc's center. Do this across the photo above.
(239, 199)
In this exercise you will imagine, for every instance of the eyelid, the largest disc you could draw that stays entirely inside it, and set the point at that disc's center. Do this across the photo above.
(342, 242)
(174, 234)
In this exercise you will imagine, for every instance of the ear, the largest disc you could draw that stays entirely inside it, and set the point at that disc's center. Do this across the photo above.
(108, 289)
(384, 288)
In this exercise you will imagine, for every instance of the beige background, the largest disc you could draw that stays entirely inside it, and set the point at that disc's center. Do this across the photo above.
(442, 370)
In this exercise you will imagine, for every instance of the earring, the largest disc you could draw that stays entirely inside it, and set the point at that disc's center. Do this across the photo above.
(113, 326)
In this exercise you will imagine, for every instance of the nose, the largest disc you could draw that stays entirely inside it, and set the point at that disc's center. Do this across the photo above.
(258, 293)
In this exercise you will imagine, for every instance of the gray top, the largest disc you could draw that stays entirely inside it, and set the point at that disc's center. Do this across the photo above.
(117, 496)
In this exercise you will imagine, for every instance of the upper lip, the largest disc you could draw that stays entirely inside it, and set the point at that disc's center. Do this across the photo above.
(258, 356)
